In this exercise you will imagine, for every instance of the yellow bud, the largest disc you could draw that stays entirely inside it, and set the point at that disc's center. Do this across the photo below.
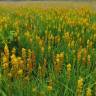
(49, 87)
(20, 72)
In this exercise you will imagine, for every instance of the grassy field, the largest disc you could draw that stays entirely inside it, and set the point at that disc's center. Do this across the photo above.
(47, 49)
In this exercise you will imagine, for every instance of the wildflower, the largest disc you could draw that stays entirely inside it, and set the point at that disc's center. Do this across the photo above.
(14, 61)
(10, 75)
(58, 62)
(14, 51)
(33, 59)
(94, 27)
(5, 59)
(61, 56)
(84, 51)
(89, 59)
(68, 71)
(26, 78)
(79, 55)
(49, 88)
(42, 49)
(29, 63)
(34, 89)
(19, 60)
(20, 72)
(6, 51)
(27, 34)
(88, 92)
(29, 53)
(23, 53)
(5, 65)
(79, 87)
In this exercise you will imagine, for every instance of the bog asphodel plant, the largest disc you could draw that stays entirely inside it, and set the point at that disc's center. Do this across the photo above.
(24, 55)
(5, 62)
(58, 62)
(68, 71)
(6, 51)
(88, 91)
(79, 87)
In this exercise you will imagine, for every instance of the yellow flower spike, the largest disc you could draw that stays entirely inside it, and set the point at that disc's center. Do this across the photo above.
(40, 42)
(5, 66)
(88, 92)
(24, 55)
(57, 60)
(79, 55)
(30, 40)
(29, 53)
(10, 75)
(79, 87)
(19, 60)
(34, 89)
(69, 45)
(62, 56)
(5, 59)
(94, 27)
(88, 42)
(42, 49)
(89, 59)
(14, 51)
(23, 52)
(20, 72)
(69, 67)
(26, 78)
(27, 34)
(68, 71)
(13, 60)
(49, 88)
(6, 51)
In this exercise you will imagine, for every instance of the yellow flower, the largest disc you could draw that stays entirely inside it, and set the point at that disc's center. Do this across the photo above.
(20, 72)
(88, 92)
(69, 67)
(68, 71)
(6, 51)
(57, 60)
(5, 59)
(5, 65)
(62, 56)
(10, 75)
(34, 89)
(14, 51)
(27, 34)
(13, 60)
(19, 60)
(29, 53)
(26, 78)
(79, 87)
(42, 49)
(89, 59)
(49, 88)
(23, 52)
